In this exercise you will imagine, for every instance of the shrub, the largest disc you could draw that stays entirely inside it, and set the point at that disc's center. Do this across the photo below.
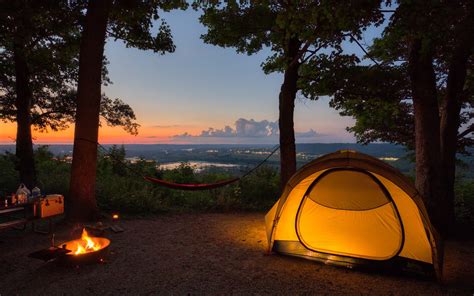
(464, 190)
(9, 177)
(53, 173)
(121, 187)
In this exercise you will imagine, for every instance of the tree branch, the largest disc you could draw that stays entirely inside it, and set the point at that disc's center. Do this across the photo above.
(312, 53)
(37, 117)
(363, 49)
(304, 50)
(121, 38)
(466, 132)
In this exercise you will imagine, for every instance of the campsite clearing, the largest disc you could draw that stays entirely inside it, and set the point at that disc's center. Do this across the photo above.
(211, 253)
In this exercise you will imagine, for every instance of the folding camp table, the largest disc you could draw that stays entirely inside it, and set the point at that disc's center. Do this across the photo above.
(16, 215)
(12, 217)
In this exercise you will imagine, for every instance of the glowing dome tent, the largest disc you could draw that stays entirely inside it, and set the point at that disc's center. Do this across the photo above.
(348, 208)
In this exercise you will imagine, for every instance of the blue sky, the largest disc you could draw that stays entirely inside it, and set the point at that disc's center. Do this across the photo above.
(199, 87)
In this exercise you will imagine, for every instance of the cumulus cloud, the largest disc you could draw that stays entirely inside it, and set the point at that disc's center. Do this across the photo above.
(182, 136)
(252, 128)
(246, 128)
(227, 131)
(309, 134)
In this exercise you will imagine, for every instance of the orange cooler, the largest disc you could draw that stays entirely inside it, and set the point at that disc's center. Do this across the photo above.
(49, 206)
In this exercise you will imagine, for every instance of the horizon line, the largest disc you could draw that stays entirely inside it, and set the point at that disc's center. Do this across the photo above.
(201, 144)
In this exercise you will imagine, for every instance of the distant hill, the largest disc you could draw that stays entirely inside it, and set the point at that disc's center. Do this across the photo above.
(249, 155)
(376, 150)
(152, 150)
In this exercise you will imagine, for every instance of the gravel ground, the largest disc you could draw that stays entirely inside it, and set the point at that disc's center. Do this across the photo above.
(206, 254)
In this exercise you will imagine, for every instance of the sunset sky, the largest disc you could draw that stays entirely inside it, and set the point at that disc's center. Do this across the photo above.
(202, 94)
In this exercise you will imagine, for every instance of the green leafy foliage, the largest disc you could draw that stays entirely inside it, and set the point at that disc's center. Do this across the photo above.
(318, 27)
(379, 95)
(131, 194)
(121, 188)
(48, 34)
(464, 202)
(260, 189)
(297, 33)
(9, 178)
(183, 174)
(132, 22)
(53, 172)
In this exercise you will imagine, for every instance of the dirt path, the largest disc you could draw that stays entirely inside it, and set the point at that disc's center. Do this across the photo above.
(206, 254)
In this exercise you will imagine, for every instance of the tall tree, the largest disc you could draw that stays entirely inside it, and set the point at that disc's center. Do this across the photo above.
(82, 187)
(39, 48)
(438, 53)
(32, 34)
(296, 32)
(131, 21)
(459, 92)
(419, 95)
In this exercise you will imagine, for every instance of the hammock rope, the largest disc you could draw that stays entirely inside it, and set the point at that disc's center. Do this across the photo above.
(180, 186)
(201, 186)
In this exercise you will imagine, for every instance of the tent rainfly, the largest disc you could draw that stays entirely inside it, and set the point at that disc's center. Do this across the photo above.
(348, 208)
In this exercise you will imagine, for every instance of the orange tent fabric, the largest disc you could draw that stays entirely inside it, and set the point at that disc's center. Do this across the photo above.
(349, 208)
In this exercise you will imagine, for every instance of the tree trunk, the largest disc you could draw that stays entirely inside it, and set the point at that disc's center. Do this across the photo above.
(24, 141)
(427, 133)
(450, 115)
(82, 201)
(450, 121)
(287, 108)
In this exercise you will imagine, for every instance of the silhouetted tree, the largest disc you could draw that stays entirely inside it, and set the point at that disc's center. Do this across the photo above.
(130, 21)
(32, 38)
(297, 32)
(39, 49)
(419, 95)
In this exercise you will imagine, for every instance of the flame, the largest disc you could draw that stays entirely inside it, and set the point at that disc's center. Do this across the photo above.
(86, 244)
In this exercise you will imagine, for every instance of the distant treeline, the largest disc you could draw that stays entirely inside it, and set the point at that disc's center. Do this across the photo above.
(249, 155)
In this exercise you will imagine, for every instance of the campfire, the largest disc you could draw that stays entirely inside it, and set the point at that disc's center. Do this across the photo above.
(86, 244)
(87, 248)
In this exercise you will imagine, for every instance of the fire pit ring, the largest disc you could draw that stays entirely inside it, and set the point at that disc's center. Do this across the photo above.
(85, 258)
(87, 249)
